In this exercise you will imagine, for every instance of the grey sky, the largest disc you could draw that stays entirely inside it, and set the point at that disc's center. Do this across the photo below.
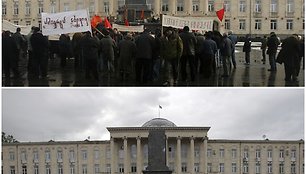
(75, 114)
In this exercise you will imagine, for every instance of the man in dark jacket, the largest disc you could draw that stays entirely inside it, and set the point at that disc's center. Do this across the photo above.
(64, 48)
(291, 58)
(108, 47)
(263, 48)
(90, 48)
(226, 52)
(247, 49)
(234, 41)
(40, 46)
(9, 52)
(208, 51)
(272, 44)
(189, 50)
(145, 45)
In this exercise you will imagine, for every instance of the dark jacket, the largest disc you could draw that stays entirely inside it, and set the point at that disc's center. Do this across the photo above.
(272, 44)
(65, 46)
(127, 52)
(263, 44)
(172, 47)
(145, 45)
(247, 45)
(291, 49)
(226, 47)
(40, 45)
(200, 39)
(209, 47)
(189, 43)
(234, 40)
(108, 47)
(90, 47)
(9, 49)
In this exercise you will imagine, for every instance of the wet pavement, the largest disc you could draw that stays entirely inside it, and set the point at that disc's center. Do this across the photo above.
(254, 75)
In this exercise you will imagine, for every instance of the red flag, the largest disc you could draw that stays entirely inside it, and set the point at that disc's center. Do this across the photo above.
(126, 22)
(142, 15)
(220, 14)
(95, 20)
(107, 24)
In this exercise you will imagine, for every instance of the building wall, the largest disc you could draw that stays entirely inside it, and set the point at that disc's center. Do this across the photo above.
(198, 8)
(105, 158)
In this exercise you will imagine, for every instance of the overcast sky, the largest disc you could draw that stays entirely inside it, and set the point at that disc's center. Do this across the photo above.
(74, 114)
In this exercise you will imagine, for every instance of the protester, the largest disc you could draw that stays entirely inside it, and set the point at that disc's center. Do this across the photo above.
(198, 61)
(247, 49)
(108, 47)
(75, 43)
(30, 49)
(90, 46)
(145, 44)
(40, 46)
(226, 52)
(157, 56)
(9, 55)
(272, 44)
(208, 51)
(189, 46)
(263, 48)
(234, 41)
(64, 48)
(171, 52)
(127, 52)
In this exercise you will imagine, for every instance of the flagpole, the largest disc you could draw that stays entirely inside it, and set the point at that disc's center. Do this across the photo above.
(158, 112)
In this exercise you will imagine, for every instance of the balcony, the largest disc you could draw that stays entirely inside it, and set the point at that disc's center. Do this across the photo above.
(273, 14)
(293, 159)
(269, 159)
(281, 159)
(289, 14)
(257, 14)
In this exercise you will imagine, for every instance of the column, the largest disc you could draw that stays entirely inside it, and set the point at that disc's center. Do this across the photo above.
(157, 5)
(97, 5)
(113, 7)
(113, 156)
(125, 150)
(188, 6)
(167, 152)
(191, 170)
(205, 155)
(139, 155)
(178, 156)
(172, 7)
(204, 6)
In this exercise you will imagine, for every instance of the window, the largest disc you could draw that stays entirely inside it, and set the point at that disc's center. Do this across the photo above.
(84, 154)
(121, 168)
(293, 154)
(269, 167)
(234, 167)
(281, 168)
(60, 169)
(184, 151)
(257, 24)
(227, 24)
(16, 9)
(66, 6)
(97, 168)
(133, 168)
(273, 24)
(195, 6)
(273, 6)
(84, 169)
(79, 5)
(165, 6)
(209, 152)
(12, 156)
(245, 168)
(3, 9)
(281, 154)
(53, 7)
(209, 167)
(108, 168)
(171, 151)
(184, 167)
(133, 151)
(60, 156)
(71, 155)
(227, 6)
(180, 6)
(257, 6)
(48, 169)
(289, 24)
(27, 8)
(221, 153)
(12, 169)
(106, 7)
(257, 153)
(24, 170)
(40, 8)
(211, 6)
(72, 169)
(257, 168)
(270, 153)
(221, 167)
(293, 168)
(242, 6)
(242, 24)
(290, 6)
(91, 7)
(23, 157)
(35, 153)
(97, 154)
(234, 153)
(197, 167)
(197, 152)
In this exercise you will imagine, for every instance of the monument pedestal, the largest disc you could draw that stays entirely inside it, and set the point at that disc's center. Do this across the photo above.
(157, 172)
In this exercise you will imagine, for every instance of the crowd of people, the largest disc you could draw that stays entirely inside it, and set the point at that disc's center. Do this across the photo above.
(172, 56)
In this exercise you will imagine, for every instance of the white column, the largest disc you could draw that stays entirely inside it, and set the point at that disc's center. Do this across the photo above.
(178, 156)
(113, 156)
(97, 5)
(157, 5)
(205, 155)
(139, 156)
(172, 6)
(188, 6)
(191, 170)
(204, 6)
(125, 150)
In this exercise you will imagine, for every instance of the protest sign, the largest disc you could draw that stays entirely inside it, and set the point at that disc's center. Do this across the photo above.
(65, 22)
(194, 23)
(129, 28)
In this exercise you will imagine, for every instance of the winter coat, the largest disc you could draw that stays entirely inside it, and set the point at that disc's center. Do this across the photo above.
(145, 45)
(226, 47)
(172, 48)
(247, 45)
(108, 47)
(40, 45)
(90, 47)
(189, 43)
(290, 51)
(209, 47)
(127, 52)
(272, 44)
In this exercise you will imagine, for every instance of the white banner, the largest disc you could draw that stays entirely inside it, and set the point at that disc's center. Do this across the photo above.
(8, 26)
(129, 28)
(194, 23)
(65, 22)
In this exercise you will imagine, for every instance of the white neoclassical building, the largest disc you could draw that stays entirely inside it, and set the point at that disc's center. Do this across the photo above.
(256, 17)
(188, 151)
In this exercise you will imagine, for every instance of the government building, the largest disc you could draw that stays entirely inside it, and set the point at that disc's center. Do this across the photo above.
(189, 150)
(255, 17)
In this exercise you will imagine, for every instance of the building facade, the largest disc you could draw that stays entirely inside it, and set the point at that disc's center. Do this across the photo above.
(255, 17)
(188, 151)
